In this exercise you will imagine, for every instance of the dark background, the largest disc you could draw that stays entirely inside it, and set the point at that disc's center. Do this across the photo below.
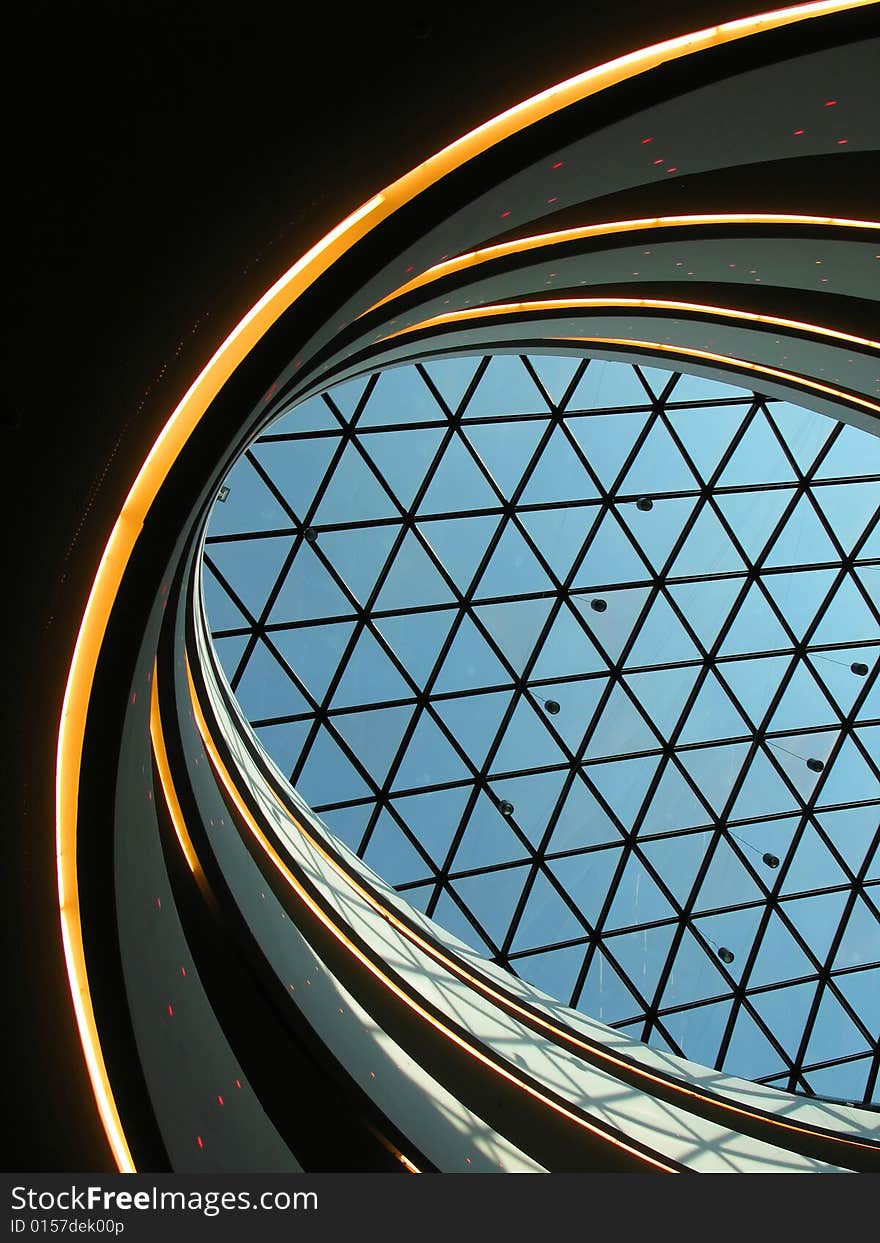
(164, 163)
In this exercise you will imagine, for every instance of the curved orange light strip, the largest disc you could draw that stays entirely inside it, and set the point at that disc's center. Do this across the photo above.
(537, 241)
(307, 900)
(191, 409)
(476, 981)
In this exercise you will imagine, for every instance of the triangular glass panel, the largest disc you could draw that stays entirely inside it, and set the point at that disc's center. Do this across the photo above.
(803, 704)
(606, 441)
(400, 396)
(534, 797)
(610, 557)
(374, 738)
(492, 897)
(284, 743)
(623, 784)
(608, 385)
(230, 651)
(513, 568)
(251, 567)
(785, 1011)
(567, 651)
(546, 918)
(790, 754)
(416, 639)
(817, 918)
(758, 458)
(727, 881)
(656, 380)
(802, 541)
(799, 594)
(849, 780)
(605, 996)
(845, 1081)
(505, 388)
(698, 1032)
(526, 743)
(860, 943)
(871, 549)
(849, 507)
(308, 591)
(662, 639)
(779, 956)
(714, 770)
(706, 433)
(296, 467)
(659, 466)
(577, 705)
(369, 677)
(250, 505)
(506, 449)
(853, 830)
(620, 730)
(755, 682)
(586, 878)
(357, 555)
(834, 671)
(403, 458)
(559, 534)
(637, 898)
(515, 626)
(328, 775)
(674, 805)
(413, 579)
(220, 610)
(349, 823)
(753, 516)
(862, 990)
(612, 628)
(735, 930)
(695, 974)
(713, 715)
(763, 792)
(433, 817)
(707, 549)
(449, 916)
(265, 689)
(750, 1054)
(559, 474)
(458, 484)
(662, 694)
(488, 840)
(847, 618)
(354, 494)
(470, 663)
(854, 452)
(706, 605)
(312, 415)
(642, 955)
(756, 628)
(676, 860)
(582, 822)
(656, 532)
(803, 431)
(473, 720)
(313, 652)
(834, 1033)
(556, 372)
(690, 387)
(429, 759)
(554, 971)
(460, 543)
(392, 855)
(347, 395)
(452, 377)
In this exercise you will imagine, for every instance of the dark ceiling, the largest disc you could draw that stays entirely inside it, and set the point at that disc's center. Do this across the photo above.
(165, 163)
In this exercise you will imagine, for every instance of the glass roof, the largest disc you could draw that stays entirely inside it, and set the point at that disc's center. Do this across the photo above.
(582, 658)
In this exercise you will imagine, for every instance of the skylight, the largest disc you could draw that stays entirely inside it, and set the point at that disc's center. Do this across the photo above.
(582, 657)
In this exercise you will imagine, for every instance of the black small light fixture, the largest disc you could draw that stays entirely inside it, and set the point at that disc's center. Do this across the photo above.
(310, 535)
(815, 766)
(644, 503)
(505, 808)
(772, 861)
(725, 954)
(552, 706)
(859, 668)
(599, 605)
(769, 859)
